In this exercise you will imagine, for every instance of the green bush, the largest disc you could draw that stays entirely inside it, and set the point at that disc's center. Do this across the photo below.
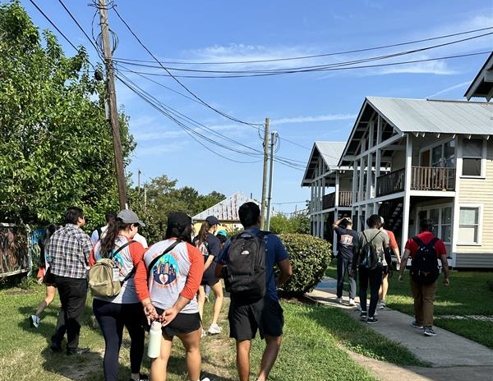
(310, 256)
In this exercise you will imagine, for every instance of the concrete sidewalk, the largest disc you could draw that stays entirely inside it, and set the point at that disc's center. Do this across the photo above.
(452, 357)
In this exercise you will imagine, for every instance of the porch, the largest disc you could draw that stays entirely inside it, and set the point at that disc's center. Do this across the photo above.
(422, 178)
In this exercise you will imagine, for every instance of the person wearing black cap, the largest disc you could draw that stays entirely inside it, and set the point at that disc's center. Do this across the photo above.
(210, 246)
(167, 281)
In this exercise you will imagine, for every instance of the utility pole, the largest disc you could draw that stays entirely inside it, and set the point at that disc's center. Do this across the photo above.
(273, 139)
(264, 178)
(113, 111)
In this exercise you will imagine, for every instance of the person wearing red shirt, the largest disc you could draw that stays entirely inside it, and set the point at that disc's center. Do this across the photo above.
(424, 294)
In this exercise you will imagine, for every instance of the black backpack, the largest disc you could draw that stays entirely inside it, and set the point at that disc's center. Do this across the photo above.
(368, 256)
(244, 272)
(424, 265)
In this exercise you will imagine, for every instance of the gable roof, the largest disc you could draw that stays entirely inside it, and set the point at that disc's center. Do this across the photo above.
(482, 85)
(226, 210)
(330, 152)
(421, 116)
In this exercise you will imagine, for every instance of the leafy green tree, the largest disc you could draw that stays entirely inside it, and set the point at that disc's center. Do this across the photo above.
(56, 147)
(281, 224)
(162, 197)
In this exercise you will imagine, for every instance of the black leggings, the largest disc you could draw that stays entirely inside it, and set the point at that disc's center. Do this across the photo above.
(111, 318)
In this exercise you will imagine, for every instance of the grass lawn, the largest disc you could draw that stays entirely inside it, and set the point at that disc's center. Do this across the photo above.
(455, 306)
(312, 347)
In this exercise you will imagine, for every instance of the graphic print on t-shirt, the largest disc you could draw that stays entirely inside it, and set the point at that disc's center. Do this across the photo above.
(165, 270)
(346, 239)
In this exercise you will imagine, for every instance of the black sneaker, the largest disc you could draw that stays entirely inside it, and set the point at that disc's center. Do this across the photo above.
(55, 347)
(363, 315)
(78, 351)
(372, 319)
(142, 377)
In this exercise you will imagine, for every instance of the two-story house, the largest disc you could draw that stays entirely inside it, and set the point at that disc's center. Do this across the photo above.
(407, 159)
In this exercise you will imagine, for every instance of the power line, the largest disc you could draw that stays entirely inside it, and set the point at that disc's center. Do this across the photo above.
(177, 80)
(318, 55)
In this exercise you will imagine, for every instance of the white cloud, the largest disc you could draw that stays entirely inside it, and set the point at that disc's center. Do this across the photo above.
(458, 86)
(315, 118)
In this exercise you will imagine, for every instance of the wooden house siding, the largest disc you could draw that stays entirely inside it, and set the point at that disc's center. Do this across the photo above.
(474, 261)
(480, 192)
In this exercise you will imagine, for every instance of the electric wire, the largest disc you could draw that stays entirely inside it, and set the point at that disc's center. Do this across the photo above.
(319, 55)
(178, 81)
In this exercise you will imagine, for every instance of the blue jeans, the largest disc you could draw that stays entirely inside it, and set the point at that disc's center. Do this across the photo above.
(112, 318)
(374, 277)
(343, 267)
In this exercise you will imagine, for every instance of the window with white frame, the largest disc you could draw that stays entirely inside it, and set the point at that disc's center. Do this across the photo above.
(469, 225)
(472, 155)
(442, 219)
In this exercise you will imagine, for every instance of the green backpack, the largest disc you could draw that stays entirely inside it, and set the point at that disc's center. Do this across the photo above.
(104, 276)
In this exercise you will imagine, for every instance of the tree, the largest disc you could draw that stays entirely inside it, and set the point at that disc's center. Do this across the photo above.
(162, 197)
(56, 148)
(281, 224)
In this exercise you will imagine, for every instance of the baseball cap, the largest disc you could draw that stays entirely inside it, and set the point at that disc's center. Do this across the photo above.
(223, 233)
(129, 217)
(211, 220)
(179, 220)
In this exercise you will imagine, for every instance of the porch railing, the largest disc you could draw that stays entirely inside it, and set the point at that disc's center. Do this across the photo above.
(422, 178)
(345, 199)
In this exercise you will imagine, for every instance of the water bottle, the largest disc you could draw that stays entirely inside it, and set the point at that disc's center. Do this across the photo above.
(155, 335)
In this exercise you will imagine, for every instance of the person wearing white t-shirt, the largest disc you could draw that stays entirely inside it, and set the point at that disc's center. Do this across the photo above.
(100, 232)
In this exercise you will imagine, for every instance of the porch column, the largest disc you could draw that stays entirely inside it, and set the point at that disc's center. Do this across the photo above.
(407, 191)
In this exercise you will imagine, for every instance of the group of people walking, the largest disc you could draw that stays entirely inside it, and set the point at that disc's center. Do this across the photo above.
(354, 247)
(166, 283)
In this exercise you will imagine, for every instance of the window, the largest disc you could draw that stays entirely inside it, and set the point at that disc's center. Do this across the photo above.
(472, 153)
(442, 218)
(469, 225)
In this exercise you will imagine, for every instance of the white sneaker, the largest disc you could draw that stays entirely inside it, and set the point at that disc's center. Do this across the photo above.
(214, 329)
(382, 305)
(34, 321)
(351, 302)
(339, 300)
(203, 334)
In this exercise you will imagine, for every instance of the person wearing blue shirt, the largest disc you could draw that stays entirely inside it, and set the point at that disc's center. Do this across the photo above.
(266, 314)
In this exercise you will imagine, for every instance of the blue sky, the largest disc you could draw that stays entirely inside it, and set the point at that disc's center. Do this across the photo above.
(302, 107)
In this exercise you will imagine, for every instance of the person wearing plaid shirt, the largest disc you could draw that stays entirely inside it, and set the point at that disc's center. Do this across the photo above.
(69, 249)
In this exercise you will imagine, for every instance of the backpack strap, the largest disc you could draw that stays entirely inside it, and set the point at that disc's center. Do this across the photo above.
(418, 241)
(132, 272)
(168, 249)
(121, 248)
(100, 231)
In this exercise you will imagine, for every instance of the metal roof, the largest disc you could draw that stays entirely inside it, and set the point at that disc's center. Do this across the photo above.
(421, 115)
(226, 210)
(329, 151)
(482, 85)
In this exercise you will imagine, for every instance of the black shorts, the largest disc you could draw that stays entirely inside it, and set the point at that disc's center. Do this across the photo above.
(386, 270)
(181, 324)
(265, 315)
(209, 278)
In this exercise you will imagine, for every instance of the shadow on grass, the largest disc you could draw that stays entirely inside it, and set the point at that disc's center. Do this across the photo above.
(358, 337)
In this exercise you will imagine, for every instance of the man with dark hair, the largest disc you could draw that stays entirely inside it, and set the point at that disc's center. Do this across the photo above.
(69, 249)
(246, 316)
(424, 294)
(347, 241)
(380, 241)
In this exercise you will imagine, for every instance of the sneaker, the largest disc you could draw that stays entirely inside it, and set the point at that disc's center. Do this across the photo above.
(34, 319)
(204, 333)
(351, 302)
(78, 351)
(339, 300)
(429, 332)
(214, 329)
(142, 377)
(382, 305)
(415, 324)
(55, 347)
(363, 315)
(371, 320)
